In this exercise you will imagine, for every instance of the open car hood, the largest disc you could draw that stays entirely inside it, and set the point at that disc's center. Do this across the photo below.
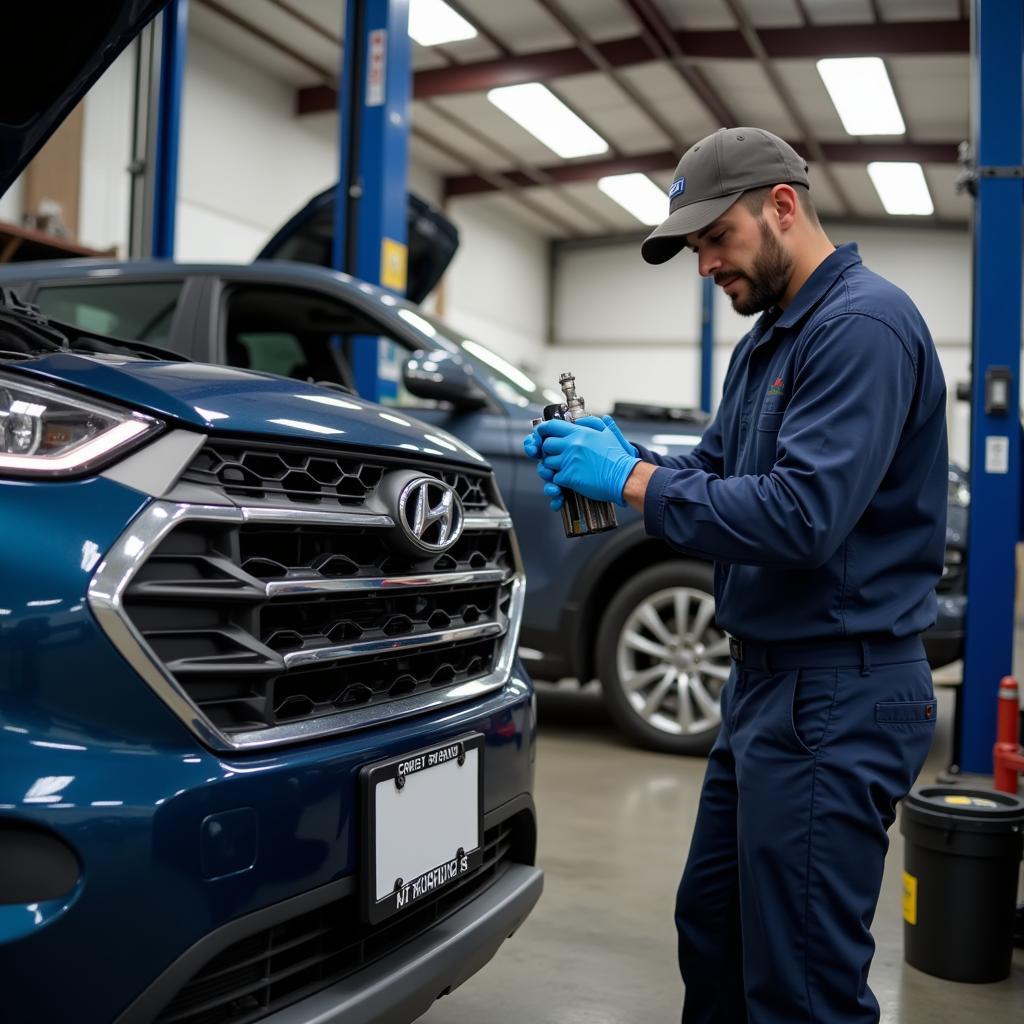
(55, 53)
(432, 239)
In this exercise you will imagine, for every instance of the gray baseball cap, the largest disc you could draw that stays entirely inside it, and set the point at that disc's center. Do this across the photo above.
(712, 175)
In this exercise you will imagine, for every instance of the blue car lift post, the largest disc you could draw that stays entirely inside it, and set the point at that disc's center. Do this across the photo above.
(707, 341)
(994, 526)
(373, 110)
(173, 38)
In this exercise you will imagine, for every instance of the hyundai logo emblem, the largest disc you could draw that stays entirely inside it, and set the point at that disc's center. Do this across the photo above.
(430, 514)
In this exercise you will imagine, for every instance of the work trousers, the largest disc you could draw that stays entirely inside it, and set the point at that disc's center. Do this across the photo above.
(776, 901)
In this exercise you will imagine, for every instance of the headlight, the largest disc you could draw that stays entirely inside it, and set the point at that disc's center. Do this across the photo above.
(49, 432)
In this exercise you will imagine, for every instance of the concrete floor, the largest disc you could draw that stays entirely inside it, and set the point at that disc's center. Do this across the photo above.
(600, 946)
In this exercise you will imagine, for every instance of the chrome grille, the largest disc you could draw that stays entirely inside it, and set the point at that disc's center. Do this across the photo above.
(264, 626)
(283, 475)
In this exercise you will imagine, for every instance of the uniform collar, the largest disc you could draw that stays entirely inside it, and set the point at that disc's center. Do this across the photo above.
(818, 284)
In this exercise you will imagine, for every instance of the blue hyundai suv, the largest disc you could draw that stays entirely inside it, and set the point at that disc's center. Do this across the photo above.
(267, 748)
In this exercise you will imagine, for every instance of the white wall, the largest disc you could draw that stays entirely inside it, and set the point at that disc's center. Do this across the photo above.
(247, 162)
(496, 289)
(630, 331)
(105, 188)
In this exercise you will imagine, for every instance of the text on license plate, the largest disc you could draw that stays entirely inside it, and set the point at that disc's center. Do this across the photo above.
(424, 823)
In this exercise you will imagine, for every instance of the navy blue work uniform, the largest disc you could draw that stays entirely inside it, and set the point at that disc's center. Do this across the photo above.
(820, 491)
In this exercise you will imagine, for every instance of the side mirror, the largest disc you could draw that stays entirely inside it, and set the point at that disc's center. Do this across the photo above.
(440, 376)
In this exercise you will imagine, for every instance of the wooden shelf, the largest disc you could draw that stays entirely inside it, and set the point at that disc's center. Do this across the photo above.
(18, 243)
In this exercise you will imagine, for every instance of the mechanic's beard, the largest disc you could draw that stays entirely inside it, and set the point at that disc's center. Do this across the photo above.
(769, 277)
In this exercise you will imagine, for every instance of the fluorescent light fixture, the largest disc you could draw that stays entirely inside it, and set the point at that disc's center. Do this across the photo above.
(902, 188)
(545, 116)
(862, 94)
(432, 22)
(637, 194)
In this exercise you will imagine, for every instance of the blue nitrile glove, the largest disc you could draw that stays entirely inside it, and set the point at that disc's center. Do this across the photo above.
(532, 446)
(593, 463)
(629, 449)
(533, 440)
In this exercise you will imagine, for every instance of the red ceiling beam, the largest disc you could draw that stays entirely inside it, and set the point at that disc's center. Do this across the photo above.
(591, 170)
(890, 39)
(885, 40)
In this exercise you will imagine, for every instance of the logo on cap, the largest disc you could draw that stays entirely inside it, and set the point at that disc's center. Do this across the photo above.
(678, 188)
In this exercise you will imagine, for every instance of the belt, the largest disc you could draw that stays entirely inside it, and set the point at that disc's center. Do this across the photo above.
(840, 652)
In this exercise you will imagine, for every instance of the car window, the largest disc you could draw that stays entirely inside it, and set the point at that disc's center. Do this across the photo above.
(267, 351)
(142, 311)
(305, 334)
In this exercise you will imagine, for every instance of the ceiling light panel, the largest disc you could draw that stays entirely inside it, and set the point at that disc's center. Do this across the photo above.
(433, 22)
(862, 95)
(902, 188)
(537, 109)
(637, 194)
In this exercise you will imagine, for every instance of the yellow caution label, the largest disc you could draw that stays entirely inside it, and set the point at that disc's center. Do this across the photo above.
(394, 260)
(909, 898)
(969, 801)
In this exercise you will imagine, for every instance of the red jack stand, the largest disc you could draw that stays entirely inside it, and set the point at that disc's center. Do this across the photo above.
(1007, 756)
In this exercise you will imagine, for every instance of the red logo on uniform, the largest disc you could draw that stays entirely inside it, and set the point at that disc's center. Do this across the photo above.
(778, 383)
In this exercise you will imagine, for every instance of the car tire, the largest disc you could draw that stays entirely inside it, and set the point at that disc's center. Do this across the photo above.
(662, 660)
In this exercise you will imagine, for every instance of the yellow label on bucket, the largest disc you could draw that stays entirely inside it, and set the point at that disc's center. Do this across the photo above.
(969, 801)
(909, 898)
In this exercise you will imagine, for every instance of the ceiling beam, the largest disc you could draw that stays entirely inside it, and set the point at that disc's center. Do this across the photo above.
(832, 223)
(789, 102)
(890, 39)
(272, 41)
(883, 40)
(649, 163)
(601, 63)
(310, 23)
(662, 43)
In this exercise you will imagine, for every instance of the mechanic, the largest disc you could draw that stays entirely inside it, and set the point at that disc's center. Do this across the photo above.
(819, 490)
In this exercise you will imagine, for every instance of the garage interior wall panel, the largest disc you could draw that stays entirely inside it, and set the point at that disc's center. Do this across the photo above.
(496, 289)
(245, 157)
(11, 203)
(105, 188)
(633, 331)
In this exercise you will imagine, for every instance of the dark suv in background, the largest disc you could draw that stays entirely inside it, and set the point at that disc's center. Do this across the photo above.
(618, 606)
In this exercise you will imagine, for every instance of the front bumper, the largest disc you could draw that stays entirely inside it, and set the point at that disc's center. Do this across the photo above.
(401, 986)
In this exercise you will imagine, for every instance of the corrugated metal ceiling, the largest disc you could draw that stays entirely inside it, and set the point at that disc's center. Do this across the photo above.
(648, 97)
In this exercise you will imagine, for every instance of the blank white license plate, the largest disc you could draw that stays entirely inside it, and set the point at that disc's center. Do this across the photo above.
(423, 824)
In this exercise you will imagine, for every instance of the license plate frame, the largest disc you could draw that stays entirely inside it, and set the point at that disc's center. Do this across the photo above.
(383, 815)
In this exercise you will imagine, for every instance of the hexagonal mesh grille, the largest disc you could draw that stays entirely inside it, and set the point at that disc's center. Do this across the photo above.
(254, 474)
(265, 625)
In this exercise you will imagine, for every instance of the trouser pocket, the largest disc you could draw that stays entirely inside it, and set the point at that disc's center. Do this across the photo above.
(811, 705)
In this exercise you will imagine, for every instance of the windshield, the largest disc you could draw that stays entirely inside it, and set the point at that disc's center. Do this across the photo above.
(510, 384)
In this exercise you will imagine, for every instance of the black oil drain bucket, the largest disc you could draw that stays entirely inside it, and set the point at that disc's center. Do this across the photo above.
(961, 860)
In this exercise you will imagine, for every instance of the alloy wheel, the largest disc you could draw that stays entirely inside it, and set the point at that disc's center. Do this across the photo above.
(673, 662)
